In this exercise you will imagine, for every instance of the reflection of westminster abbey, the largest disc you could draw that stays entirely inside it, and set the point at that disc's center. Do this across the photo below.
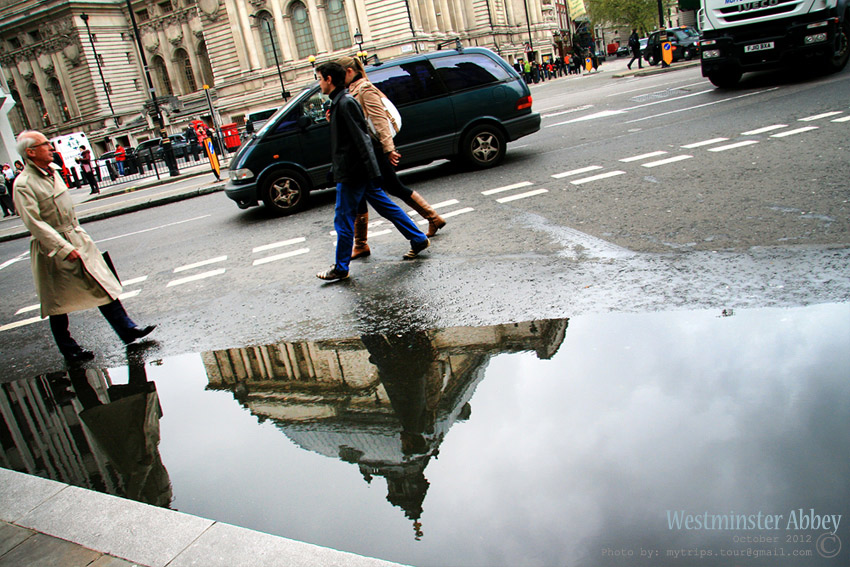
(50, 63)
(381, 402)
(384, 403)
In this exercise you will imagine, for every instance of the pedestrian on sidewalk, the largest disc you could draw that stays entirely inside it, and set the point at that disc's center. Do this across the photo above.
(5, 191)
(369, 97)
(70, 272)
(356, 172)
(120, 156)
(88, 172)
(634, 46)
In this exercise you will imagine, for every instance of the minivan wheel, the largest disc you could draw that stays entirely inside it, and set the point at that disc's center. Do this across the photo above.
(484, 147)
(285, 192)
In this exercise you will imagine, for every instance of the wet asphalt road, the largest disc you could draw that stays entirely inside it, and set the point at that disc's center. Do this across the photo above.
(762, 223)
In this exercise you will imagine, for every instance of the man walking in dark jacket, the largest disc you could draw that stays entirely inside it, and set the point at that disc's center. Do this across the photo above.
(634, 46)
(356, 172)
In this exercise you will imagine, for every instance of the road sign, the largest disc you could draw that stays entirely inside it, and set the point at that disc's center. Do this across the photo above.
(667, 52)
(588, 63)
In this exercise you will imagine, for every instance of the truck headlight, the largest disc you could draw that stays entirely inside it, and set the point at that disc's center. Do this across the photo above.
(241, 174)
(816, 38)
(710, 53)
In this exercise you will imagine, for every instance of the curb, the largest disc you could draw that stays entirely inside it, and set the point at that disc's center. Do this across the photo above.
(656, 70)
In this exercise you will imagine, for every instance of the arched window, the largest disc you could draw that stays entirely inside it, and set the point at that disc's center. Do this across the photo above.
(301, 29)
(59, 98)
(20, 112)
(206, 66)
(184, 66)
(338, 24)
(267, 40)
(162, 78)
(34, 93)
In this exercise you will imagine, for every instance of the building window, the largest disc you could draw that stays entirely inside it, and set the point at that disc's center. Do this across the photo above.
(166, 7)
(185, 66)
(34, 93)
(301, 29)
(267, 30)
(59, 98)
(338, 25)
(142, 15)
(35, 36)
(162, 76)
(14, 42)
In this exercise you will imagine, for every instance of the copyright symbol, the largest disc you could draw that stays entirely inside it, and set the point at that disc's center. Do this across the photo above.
(828, 545)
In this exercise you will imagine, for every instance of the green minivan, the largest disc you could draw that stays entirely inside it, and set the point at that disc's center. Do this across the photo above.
(464, 103)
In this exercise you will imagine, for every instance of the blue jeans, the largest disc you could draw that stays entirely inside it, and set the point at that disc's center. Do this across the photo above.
(348, 196)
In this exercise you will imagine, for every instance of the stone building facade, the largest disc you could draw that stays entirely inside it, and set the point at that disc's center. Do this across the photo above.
(67, 74)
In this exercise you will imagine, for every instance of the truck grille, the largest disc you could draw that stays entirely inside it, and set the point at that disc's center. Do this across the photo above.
(755, 10)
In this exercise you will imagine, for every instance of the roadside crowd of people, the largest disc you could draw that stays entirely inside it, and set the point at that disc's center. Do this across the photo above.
(570, 64)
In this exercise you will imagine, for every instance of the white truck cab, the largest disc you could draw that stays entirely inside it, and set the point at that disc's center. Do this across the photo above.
(750, 35)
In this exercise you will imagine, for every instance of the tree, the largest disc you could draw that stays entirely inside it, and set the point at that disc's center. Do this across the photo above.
(636, 14)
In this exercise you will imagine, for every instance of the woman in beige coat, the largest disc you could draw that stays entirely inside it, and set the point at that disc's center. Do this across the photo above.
(388, 157)
(69, 271)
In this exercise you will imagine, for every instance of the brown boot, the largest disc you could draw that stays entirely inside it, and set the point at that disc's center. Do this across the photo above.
(361, 229)
(421, 206)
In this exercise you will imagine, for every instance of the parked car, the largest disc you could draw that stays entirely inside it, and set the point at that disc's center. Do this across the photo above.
(179, 146)
(255, 120)
(684, 42)
(108, 159)
(454, 104)
(148, 150)
(623, 50)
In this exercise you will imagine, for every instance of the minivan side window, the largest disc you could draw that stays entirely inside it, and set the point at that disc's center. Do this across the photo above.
(314, 107)
(409, 82)
(460, 72)
(287, 123)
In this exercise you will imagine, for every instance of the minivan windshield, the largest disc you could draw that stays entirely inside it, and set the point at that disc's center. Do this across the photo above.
(283, 109)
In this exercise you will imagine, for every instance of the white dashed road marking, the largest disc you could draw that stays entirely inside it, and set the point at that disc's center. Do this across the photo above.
(643, 156)
(765, 129)
(842, 119)
(792, 132)
(274, 245)
(819, 116)
(507, 188)
(522, 195)
(196, 277)
(577, 171)
(733, 146)
(666, 161)
(199, 264)
(21, 323)
(281, 256)
(705, 143)
(597, 177)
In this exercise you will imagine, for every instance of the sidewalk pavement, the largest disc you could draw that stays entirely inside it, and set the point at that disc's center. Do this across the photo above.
(44, 523)
(172, 189)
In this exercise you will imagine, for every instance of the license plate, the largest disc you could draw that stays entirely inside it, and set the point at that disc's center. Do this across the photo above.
(758, 47)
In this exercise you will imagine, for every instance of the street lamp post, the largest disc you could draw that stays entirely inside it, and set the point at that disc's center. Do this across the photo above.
(284, 93)
(166, 141)
(85, 18)
(358, 39)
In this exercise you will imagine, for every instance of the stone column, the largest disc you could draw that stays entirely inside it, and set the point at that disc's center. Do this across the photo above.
(284, 49)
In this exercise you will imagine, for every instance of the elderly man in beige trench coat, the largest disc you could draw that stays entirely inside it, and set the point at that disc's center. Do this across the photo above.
(70, 273)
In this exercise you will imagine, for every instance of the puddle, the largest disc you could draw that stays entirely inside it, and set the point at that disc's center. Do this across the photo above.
(621, 439)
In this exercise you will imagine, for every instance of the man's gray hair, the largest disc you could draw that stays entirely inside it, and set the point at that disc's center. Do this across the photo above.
(26, 139)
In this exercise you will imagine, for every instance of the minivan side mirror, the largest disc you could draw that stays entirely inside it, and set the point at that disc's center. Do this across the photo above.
(304, 121)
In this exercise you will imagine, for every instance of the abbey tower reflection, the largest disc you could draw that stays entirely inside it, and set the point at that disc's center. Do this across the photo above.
(381, 402)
